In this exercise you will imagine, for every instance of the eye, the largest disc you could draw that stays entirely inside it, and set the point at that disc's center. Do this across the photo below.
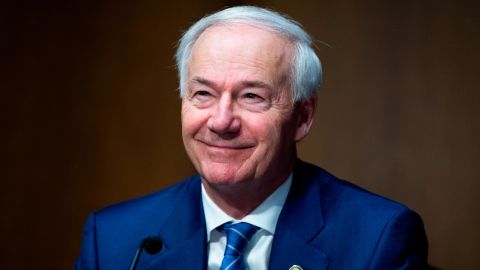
(252, 97)
(255, 100)
(202, 93)
(201, 97)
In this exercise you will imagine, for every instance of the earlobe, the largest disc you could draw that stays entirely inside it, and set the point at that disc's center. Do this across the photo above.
(306, 111)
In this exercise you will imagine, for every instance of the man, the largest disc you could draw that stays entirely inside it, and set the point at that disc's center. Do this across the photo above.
(248, 81)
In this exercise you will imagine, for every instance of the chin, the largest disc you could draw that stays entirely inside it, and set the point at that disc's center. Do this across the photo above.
(222, 174)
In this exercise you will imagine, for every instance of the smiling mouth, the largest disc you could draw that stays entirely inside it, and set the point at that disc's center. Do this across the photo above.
(227, 146)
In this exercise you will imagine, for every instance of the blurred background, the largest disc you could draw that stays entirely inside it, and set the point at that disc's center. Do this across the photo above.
(90, 113)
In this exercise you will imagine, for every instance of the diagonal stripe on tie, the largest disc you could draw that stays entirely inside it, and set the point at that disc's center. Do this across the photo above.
(238, 235)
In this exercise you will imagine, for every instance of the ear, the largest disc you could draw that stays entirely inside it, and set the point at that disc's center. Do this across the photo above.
(306, 111)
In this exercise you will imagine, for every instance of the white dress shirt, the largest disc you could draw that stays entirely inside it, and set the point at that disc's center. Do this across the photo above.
(265, 217)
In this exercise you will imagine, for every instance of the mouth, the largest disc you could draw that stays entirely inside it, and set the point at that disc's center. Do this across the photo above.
(224, 152)
(227, 145)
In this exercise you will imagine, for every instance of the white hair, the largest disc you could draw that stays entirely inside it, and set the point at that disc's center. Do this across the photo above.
(306, 74)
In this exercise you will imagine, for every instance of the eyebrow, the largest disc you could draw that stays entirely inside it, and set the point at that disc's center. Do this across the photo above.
(243, 84)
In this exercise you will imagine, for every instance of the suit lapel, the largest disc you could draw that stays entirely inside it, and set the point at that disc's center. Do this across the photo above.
(298, 225)
(183, 234)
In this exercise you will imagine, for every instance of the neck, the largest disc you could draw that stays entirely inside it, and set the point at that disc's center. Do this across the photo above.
(238, 200)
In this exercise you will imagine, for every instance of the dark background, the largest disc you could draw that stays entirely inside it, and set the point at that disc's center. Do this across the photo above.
(90, 113)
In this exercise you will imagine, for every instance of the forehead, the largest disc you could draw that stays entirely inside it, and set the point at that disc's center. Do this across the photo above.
(240, 48)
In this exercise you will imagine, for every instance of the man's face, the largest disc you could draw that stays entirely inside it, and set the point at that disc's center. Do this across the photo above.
(239, 123)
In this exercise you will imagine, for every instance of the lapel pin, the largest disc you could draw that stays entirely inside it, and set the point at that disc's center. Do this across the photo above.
(295, 267)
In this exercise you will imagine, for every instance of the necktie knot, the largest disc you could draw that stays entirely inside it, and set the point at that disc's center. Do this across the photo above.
(238, 235)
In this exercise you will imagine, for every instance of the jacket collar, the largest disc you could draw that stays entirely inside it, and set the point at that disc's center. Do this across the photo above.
(298, 225)
(183, 234)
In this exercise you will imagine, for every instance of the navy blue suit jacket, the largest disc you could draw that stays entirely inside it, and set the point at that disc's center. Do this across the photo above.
(326, 223)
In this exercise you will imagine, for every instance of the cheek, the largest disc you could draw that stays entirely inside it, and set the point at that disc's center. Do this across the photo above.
(274, 131)
(265, 129)
(192, 120)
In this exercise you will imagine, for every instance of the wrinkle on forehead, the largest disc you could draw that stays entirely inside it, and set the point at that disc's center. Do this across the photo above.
(242, 52)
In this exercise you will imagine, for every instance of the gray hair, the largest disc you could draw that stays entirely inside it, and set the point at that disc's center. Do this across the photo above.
(306, 73)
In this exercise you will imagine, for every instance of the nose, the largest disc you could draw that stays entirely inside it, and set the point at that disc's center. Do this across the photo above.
(223, 120)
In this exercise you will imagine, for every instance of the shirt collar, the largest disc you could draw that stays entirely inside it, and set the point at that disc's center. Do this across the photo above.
(264, 216)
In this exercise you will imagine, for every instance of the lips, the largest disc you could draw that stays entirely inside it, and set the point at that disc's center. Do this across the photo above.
(228, 145)
(216, 142)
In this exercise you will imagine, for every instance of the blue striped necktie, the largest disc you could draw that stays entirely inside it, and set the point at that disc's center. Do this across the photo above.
(238, 235)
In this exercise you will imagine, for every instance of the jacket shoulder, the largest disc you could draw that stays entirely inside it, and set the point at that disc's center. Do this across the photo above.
(335, 192)
(158, 204)
(370, 230)
(111, 235)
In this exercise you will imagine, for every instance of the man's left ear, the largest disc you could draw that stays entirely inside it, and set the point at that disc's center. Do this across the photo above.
(306, 110)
